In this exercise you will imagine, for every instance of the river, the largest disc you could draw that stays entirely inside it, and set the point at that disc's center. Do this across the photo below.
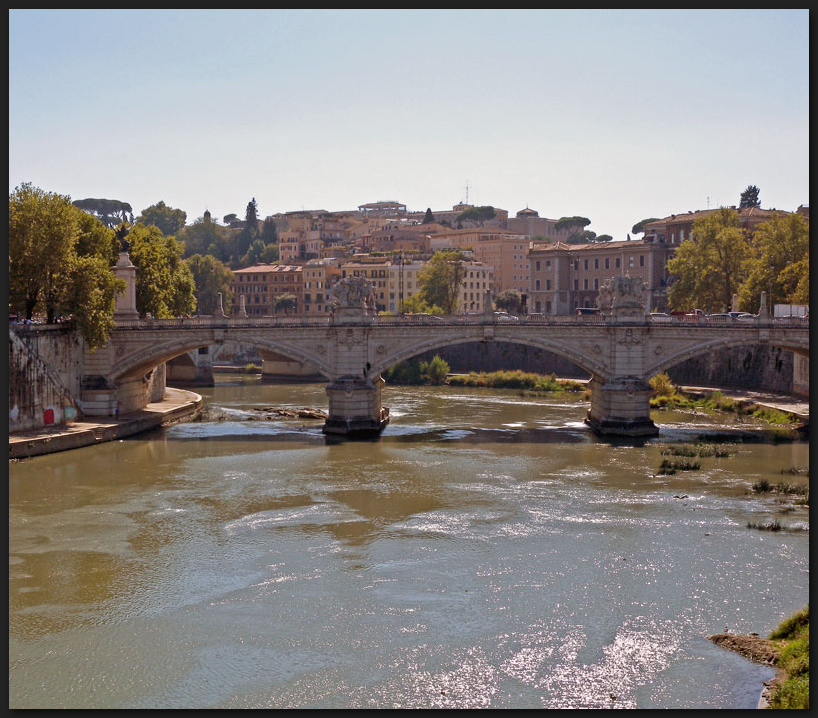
(488, 551)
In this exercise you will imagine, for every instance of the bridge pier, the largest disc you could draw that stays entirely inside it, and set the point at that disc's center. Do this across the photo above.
(355, 409)
(621, 407)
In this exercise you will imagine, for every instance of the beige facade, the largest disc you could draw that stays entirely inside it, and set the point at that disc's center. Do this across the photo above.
(262, 284)
(567, 276)
(506, 252)
(318, 276)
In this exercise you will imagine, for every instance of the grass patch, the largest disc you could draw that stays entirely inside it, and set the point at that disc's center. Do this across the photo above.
(764, 486)
(528, 382)
(700, 450)
(793, 632)
(668, 467)
(765, 526)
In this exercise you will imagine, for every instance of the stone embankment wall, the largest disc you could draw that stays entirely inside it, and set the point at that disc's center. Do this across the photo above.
(758, 367)
(49, 380)
(45, 373)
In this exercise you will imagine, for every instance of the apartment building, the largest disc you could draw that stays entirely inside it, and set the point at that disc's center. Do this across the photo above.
(307, 236)
(319, 275)
(567, 276)
(505, 251)
(263, 285)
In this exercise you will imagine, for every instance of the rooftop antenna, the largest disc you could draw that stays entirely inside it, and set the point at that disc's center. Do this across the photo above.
(467, 191)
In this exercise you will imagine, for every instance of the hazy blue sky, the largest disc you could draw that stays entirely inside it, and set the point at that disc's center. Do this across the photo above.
(613, 115)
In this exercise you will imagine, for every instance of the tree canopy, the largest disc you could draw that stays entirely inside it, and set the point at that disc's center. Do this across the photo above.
(440, 281)
(749, 197)
(478, 215)
(509, 301)
(60, 260)
(778, 263)
(164, 283)
(111, 212)
(210, 276)
(167, 219)
(639, 227)
(710, 267)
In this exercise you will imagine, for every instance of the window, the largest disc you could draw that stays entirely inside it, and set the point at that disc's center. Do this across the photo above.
(538, 265)
(596, 264)
(618, 262)
(607, 262)
(548, 285)
(537, 285)
(630, 261)
(641, 260)
(576, 284)
(585, 264)
(585, 283)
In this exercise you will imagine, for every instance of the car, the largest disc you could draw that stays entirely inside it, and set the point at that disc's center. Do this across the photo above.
(660, 317)
(505, 317)
(741, 315)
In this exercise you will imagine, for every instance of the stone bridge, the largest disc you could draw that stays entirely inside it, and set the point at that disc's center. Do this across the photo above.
(621, 351)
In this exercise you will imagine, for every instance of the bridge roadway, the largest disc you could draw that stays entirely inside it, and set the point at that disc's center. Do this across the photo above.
(352, 351)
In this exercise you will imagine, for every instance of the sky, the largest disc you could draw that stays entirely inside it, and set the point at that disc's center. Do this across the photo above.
(612, 115)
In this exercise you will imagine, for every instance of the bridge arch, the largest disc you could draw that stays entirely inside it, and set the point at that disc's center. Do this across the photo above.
(663, 362)
(432, 343)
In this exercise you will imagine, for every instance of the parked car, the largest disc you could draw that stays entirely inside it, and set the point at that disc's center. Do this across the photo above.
(588, 311)
(659, 317)
(505, 317)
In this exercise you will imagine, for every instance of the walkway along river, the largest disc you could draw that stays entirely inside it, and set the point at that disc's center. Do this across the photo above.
(508, 559)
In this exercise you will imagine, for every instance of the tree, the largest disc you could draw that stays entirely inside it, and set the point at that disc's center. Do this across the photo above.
(164, 283)
(285, 302)
(269, 231)
(111, 212)
(210, 276)
(428, 218)
(167, 219)
(478, 215)
(573, 224)
(509, 301)
(639, 227)
(709, 268)
(60, 262)
(251, 216)
(199, 237)
(440, 281)
(778, 263)
(749, 198)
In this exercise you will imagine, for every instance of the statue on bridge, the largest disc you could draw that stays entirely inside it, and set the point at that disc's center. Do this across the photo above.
(623, 297)
(352, 293)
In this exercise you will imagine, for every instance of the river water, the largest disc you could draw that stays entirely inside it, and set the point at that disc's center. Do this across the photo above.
(487, 551)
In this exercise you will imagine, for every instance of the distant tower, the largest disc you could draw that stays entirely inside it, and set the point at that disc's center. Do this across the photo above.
(207, 216)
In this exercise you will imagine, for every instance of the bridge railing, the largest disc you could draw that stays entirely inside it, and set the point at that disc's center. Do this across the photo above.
(398, 320)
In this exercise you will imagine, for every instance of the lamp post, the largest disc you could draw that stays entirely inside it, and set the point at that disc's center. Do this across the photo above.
(400, 284)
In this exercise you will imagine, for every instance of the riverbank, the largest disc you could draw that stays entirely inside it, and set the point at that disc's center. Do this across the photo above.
(758, 650)
(177, 405)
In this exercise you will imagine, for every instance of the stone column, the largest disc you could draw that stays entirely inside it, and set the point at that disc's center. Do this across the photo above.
(125, 307)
